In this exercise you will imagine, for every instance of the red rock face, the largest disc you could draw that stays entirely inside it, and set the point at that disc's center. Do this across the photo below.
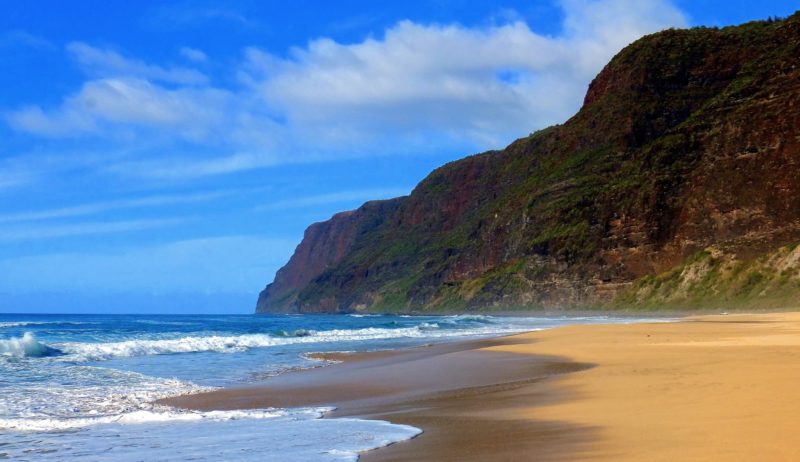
(686, 139)
(323, 245)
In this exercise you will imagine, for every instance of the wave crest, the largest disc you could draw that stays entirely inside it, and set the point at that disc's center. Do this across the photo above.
(215, 342)
(147, 416)
(25, 347)
(229, 344)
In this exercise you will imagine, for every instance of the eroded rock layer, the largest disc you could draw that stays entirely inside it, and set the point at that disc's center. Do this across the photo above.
(688, 140)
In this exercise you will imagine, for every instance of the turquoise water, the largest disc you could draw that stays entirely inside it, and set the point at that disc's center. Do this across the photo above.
(81, 386)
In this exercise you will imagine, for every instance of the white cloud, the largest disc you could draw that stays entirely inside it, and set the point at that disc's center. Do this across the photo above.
(484, 83)
(100, 207)
(194, 167)
(104, 62)
(190, 14)
(417, 88)
(193, 54)
(105, 104)
(65, 121)
(335, 198)
(32, 233)
(12, 179)
(23, 38)
(42, 164)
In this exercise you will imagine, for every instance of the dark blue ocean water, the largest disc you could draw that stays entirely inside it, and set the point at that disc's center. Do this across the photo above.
(81, 386)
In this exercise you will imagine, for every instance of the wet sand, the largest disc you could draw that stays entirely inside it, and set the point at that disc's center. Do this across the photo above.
(706, 388)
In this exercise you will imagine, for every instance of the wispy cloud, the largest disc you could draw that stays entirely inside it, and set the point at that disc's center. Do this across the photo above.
(193, 54)
(192, 14)
(106, 206)
(31, 233)
(418, 87)
(336, 198)
(195, 167)
(191, 113)
(23, 38)
(105, 62)
(48, 162)
(14, 179)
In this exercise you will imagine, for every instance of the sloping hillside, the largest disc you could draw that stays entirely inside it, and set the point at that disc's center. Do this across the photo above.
(688, 139)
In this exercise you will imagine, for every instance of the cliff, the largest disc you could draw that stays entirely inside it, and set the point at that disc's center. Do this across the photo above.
(687, 145)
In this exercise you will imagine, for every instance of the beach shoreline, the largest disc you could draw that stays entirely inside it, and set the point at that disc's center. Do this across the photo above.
(716, 387)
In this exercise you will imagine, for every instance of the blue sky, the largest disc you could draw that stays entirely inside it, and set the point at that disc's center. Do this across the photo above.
(166, 157)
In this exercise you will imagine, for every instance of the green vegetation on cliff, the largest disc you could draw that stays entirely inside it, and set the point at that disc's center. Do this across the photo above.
(687, 140)
(713, 279)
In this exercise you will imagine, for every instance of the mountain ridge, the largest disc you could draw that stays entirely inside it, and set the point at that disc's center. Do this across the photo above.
(687, 140)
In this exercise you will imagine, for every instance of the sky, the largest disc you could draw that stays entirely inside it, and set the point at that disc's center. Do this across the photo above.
(167, 156)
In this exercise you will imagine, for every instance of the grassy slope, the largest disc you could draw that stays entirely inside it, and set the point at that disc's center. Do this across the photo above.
(714, 279)
(544, 205)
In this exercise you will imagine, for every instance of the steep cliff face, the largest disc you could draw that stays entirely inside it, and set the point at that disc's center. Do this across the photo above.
(323, 246)
(687, 139)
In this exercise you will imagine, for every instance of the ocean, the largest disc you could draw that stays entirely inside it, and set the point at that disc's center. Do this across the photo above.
(81, 387)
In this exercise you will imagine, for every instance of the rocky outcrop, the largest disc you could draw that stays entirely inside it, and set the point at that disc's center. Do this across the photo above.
(323, 246)
(687, 139)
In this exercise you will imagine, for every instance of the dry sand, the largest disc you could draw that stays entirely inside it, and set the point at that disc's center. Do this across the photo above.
(706, 388)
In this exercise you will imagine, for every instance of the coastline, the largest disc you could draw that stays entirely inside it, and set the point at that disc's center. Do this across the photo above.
(702, 388)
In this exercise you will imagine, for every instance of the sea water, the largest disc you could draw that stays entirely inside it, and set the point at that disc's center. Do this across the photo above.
(81, 387)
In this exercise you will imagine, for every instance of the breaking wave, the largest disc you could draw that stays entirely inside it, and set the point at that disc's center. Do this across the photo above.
(26, 347)
(223, 344)
(256, 435)
(239, 343)
(17, 324)
(449, 326)
(145, 417)
(11, 324)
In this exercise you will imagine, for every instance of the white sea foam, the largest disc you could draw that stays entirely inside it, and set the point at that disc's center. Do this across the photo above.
(285, 435)
(11, 324)
(29, 346)
(24, 347)
(15, 324)
(83, 392)
(239, 343)
(157, 414)
(188, 344)
(24, 323)
(469, 318)
(448, 326)
(53, 407)
(153, 322)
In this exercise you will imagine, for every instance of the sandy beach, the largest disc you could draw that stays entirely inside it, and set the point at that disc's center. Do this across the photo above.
(722, 387)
